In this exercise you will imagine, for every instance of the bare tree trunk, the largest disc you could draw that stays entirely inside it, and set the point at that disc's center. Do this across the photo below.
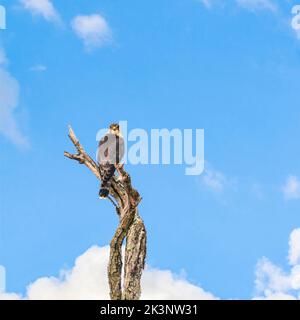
(135, 253)
(126, 200)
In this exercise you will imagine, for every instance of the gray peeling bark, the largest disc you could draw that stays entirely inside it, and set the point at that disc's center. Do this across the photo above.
(126, 200)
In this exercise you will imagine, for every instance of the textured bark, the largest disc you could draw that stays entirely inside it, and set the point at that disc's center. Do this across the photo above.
(134, 259)
(126, 200)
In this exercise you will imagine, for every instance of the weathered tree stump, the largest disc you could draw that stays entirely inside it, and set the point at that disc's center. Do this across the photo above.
(126, 200)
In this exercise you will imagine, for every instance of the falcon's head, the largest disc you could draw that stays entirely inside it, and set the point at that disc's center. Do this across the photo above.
(114, 128)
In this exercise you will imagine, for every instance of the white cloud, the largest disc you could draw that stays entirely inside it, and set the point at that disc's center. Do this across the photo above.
(214, 180)
(43, 8)
(9, 98)
(163, 284)
(254, 5)
(291, 189)
(272, 282)
(92, 29)
(9, 296)
(88, 280)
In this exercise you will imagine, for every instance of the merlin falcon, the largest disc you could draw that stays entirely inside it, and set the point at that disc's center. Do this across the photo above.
(110, 153)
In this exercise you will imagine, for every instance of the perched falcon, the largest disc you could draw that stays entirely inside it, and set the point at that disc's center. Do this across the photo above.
(110, 152)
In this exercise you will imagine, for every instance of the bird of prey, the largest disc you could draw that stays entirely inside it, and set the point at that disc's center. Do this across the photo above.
(110, 153)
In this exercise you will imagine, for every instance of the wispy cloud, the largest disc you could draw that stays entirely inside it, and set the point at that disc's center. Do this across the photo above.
(207, 3)
(215, 180)
(38, 68)
(252, 5)
(92, 29)
(291, 188)
(44, 8)
(255, 5)
(9, 98)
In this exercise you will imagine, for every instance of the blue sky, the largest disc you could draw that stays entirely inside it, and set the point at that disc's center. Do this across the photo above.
(229, 67)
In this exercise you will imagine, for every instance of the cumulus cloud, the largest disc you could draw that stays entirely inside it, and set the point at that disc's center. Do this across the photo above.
(92, 29)
(44, 8)
(163, 284)
(255, 5)
(88, 280)
(291, 188)
(9, 98)
(272, 282)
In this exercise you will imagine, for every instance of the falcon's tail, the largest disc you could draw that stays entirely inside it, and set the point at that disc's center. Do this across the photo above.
(108, 173)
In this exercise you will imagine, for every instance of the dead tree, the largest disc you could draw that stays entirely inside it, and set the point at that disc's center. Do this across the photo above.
(126, 200)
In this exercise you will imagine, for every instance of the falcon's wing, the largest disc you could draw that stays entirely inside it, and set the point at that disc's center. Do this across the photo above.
(116, 149)
(121, 149)
(102, 151)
